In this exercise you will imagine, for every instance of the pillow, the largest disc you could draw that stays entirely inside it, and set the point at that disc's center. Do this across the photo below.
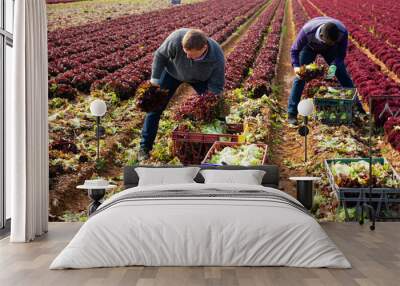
(166, 176)
(248, 177)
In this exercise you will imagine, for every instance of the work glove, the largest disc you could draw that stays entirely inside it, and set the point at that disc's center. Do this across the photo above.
(331, 72)
(297, 71)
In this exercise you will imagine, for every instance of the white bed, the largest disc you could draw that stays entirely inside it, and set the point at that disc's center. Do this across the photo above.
(204, 231)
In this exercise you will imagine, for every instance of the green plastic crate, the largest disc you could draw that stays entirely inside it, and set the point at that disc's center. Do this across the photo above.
(380, 197)
(333, 111)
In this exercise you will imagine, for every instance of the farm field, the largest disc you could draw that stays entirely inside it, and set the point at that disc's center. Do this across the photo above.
(94, 57)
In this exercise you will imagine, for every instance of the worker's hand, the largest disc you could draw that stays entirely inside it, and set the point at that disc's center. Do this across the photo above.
(155, 82)
(331, 72)
(296, 70)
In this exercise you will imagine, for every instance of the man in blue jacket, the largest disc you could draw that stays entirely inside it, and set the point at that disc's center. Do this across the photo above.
(187, 55)
(325, 36)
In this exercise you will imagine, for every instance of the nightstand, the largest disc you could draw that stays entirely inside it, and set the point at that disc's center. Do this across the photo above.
(96, 194)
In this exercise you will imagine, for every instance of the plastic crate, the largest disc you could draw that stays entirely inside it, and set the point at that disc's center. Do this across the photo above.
(350, 197)
(335, 111)
(191, 147)
(218, 146)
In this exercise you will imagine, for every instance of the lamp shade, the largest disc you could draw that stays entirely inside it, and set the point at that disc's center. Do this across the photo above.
(306, 107)
(98, 107)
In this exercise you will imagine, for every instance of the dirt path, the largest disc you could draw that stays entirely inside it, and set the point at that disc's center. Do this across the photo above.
(287, 147)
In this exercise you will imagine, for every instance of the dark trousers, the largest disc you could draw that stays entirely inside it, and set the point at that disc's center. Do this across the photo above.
(150, 127)
(307, 56)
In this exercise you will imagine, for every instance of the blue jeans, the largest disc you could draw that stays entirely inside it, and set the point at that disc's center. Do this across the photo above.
(307, 56)
(152, 119)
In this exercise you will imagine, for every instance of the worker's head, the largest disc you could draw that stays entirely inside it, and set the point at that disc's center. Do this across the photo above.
(195, 44)
(329, 34)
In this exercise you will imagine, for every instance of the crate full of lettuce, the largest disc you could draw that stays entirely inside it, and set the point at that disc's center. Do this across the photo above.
(191, 142)
(350, 179)
(237, 154)
(334, 105)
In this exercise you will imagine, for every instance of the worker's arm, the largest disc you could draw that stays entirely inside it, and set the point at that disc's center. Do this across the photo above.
(217, 79)
(298, 45)
(342, 50)
(166, 51)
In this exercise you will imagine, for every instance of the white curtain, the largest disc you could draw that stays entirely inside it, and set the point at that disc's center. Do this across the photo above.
(27, 124)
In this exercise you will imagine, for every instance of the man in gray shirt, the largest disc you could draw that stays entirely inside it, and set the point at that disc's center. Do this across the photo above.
(187, 55)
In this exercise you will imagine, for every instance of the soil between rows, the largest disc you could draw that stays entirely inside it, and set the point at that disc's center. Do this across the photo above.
(286, 143)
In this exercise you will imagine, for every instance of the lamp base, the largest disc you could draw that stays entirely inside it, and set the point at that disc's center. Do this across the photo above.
(305, 193)
(96, 195)
(101, 130)
(304, 130)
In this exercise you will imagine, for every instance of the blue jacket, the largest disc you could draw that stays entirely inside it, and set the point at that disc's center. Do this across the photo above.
(307, 37)
(170, 56)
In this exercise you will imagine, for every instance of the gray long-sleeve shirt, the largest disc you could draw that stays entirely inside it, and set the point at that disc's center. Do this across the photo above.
(170, 56)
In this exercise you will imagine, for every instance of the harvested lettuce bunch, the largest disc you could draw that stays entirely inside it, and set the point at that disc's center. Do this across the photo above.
(311, 71)
(340, 144)
(215, 127)
(150, 98)
(244, 155)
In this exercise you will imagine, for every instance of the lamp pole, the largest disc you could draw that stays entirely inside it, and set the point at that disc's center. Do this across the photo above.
(305, 137)
(305, 108)
(98, 137)
(98, 108)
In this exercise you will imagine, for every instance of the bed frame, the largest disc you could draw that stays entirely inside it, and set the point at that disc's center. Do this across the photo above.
(270, 179)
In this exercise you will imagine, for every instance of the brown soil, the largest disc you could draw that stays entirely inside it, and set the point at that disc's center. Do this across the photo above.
(287, 145)
(65, 196)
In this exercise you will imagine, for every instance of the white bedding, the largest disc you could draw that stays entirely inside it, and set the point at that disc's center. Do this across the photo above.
(200, 231)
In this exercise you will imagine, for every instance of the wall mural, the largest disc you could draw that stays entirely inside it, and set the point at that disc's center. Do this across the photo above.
(106, 111)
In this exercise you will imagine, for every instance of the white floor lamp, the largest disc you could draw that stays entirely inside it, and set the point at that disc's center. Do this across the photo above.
(305, 109)
(97, 187)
